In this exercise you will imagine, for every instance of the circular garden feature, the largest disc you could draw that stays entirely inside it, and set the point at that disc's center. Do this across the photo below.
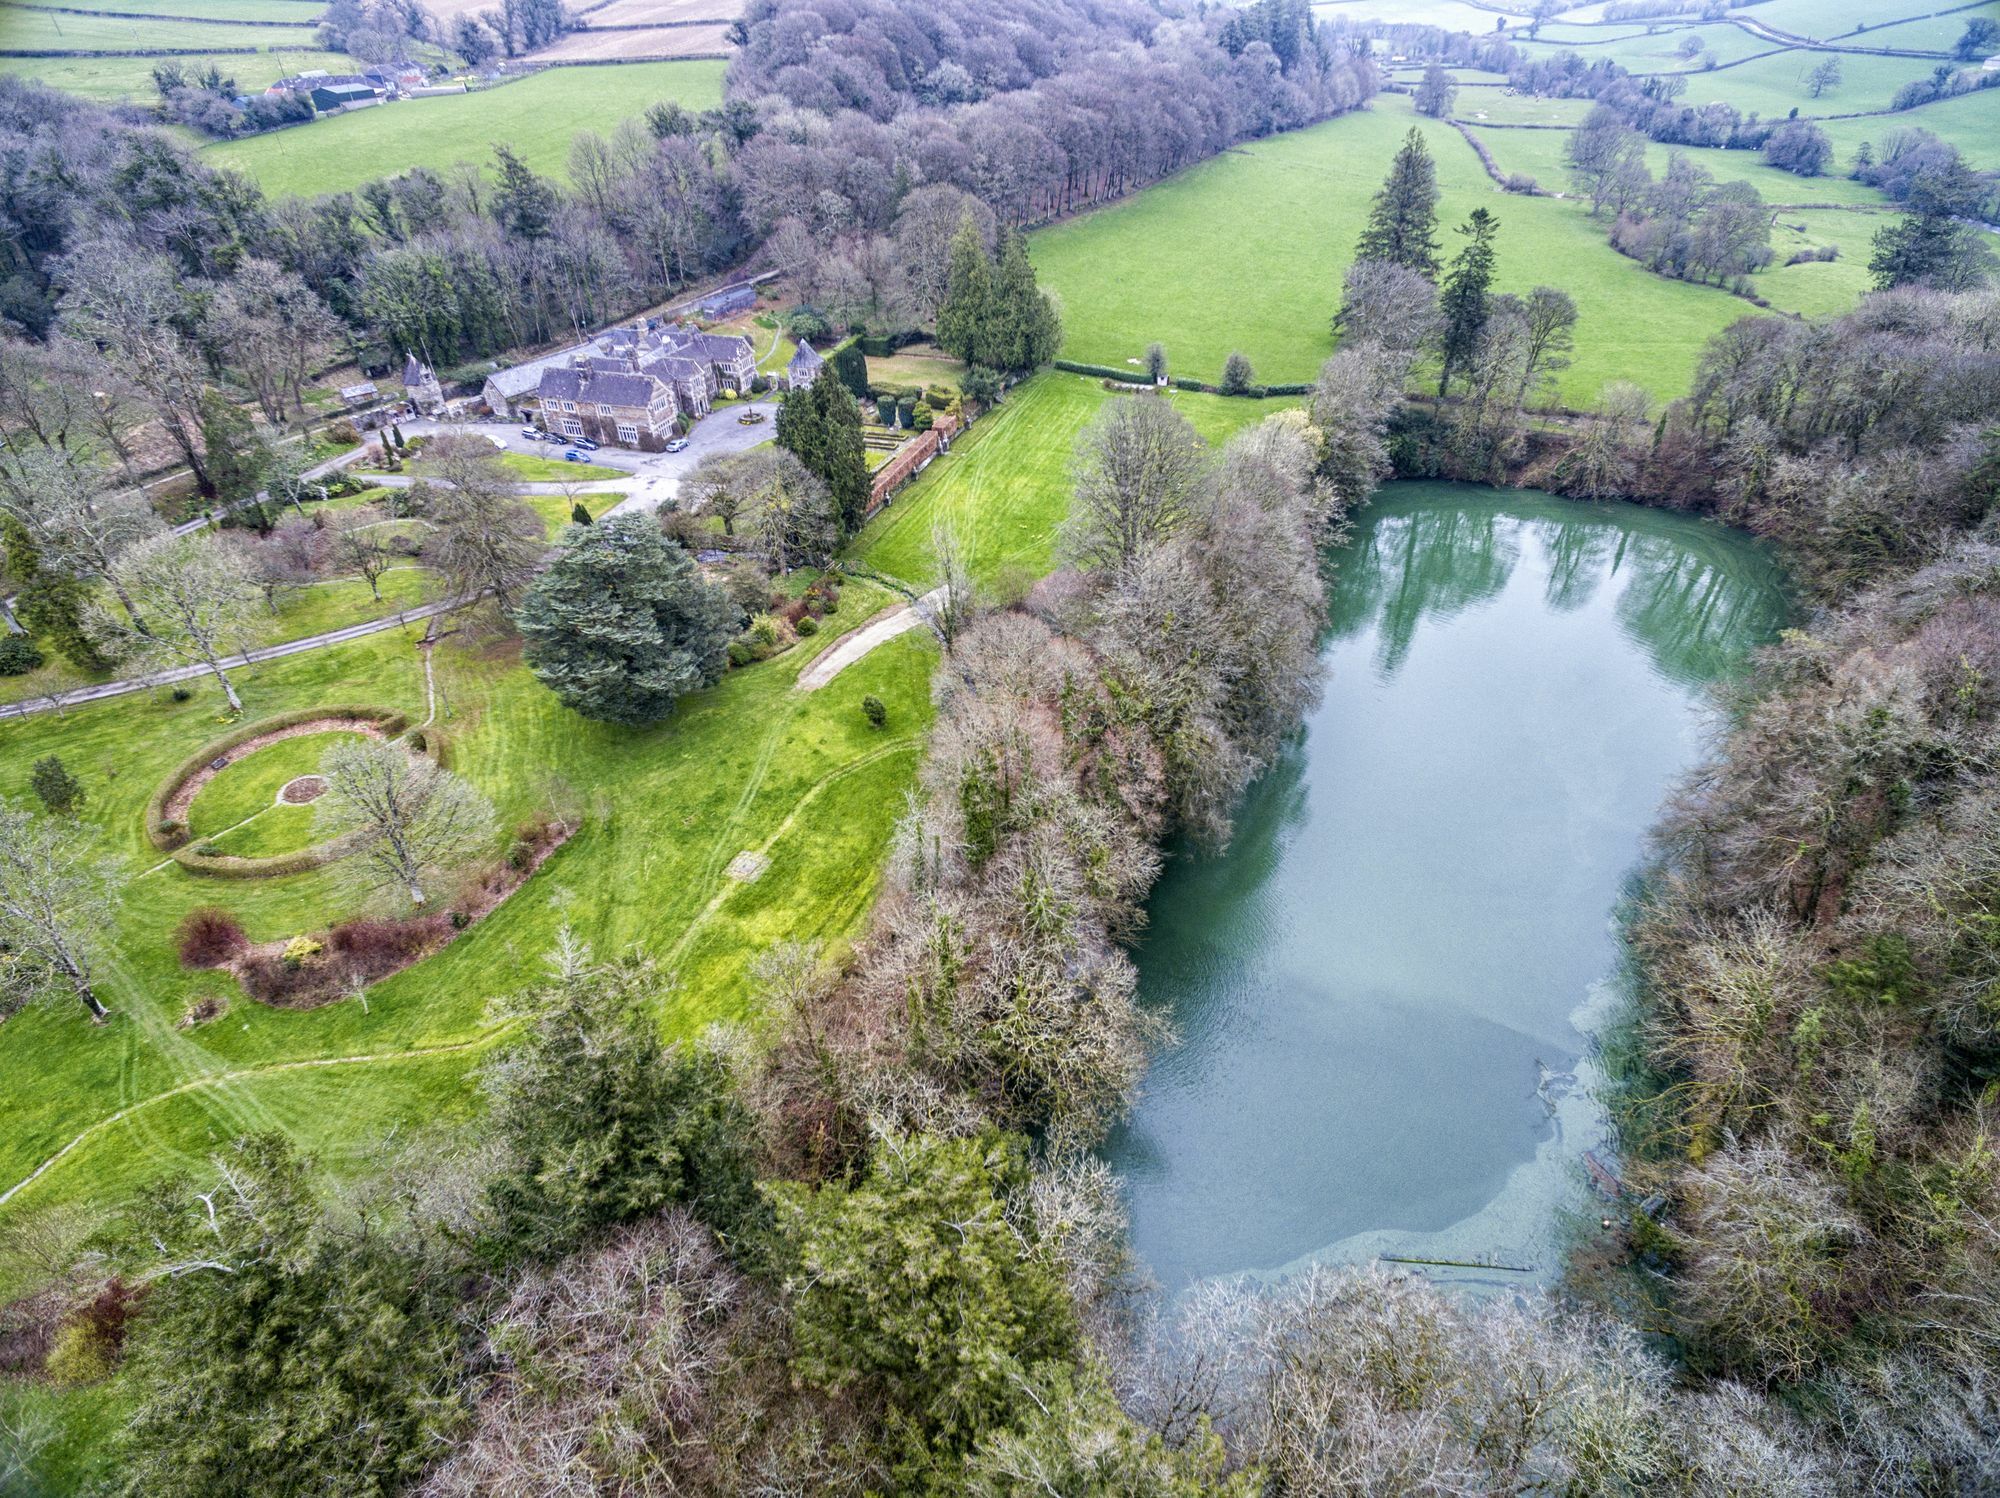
(241, 806)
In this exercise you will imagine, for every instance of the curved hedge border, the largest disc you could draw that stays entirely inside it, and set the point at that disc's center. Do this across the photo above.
(171, 837)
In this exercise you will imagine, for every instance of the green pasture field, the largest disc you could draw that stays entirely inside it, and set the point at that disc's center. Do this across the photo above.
(1649, 52)
(245, 787)
(750, 764)
(23, 29)
(536, 116)
(1498, 106)
(1005, 485)
(292, 12)
(1774, 85)
(110, 79)
(1246, 252)
(1453, 15)
(917, 365)
(1540, 154)
(1825, 20)
(1928, 33)
(1971, 122)
(1820, 288)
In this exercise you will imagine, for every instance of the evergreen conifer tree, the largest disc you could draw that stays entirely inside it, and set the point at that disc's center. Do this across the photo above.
(1402, 224)
(55, 787)
(967, 309)
(843, 452)
(621, 624)
(234, 459)
(1464, 301)
(1024, 331)
(51, 607)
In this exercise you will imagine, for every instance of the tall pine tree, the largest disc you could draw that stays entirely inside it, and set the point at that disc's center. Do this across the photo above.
(1464, 301)
(1402, 224)
(968, 297)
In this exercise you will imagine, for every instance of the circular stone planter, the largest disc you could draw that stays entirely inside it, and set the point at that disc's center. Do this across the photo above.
(166, 812)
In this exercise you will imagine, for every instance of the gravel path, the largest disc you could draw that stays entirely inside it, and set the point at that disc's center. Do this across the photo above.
(853, 645)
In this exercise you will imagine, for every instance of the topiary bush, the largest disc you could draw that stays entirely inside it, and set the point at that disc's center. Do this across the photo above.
(873, 710)
(807, 625)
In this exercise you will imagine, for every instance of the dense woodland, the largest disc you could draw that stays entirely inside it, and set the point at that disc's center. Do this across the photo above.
(865, 1247)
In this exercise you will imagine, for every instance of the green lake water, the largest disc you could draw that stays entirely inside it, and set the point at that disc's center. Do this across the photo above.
(1386, 989)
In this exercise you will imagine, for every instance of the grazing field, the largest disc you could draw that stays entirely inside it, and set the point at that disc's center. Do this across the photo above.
(1774, 85)
(1540, 154)
(660, 12)
(1971, 122)
(22, 29)
(112, 79)
(537, 117)
(1005, 485)
(1650, 52)
(1246, 252)
(289, 12)
(750, 764)
(1936, 33)
(1454, 15)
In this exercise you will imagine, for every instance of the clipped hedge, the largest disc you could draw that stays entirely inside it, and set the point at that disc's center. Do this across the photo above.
(1105, 371)
(169, 835)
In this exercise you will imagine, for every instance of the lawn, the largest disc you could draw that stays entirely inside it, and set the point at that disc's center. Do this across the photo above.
(533, 468)
(245, 787)
(1246, 252)
(536, 116)
(750, 764)
(919, 364)
(1005, 485)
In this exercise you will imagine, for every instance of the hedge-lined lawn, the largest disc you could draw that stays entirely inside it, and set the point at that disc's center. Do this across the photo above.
(1967, 122)
(751, 764)
(1477, 106)
(556, 509)
(250, 785)
(921, 365)
(1005, 485)
(537, 116)
(269, 833)
(1246, 252)
(109, 79)
(1820, 288)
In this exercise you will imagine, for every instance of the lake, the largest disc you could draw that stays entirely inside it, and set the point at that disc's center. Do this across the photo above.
(1387, 987)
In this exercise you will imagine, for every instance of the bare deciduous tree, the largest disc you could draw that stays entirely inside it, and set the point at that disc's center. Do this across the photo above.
(53, 912)
(405, 819)
(78, 532)
(196, 596)
(487, 541)
(359, 548)
(1140, 476)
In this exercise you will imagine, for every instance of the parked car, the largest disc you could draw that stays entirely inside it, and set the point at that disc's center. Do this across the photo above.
(573, 456)
(531, 434)
(583, 442)
(678, 445)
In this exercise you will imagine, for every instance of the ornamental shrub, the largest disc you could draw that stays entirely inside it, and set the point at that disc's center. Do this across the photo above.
(873, 710)
(807, 625)
(300, 950)
(209, 937)
(54, 786)
(18, 655)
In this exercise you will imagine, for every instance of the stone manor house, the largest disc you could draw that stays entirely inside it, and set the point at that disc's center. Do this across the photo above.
(636, 385)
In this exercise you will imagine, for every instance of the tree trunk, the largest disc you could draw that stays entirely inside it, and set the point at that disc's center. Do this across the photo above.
(228, 690)
(125, 602)
(98, 1013)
